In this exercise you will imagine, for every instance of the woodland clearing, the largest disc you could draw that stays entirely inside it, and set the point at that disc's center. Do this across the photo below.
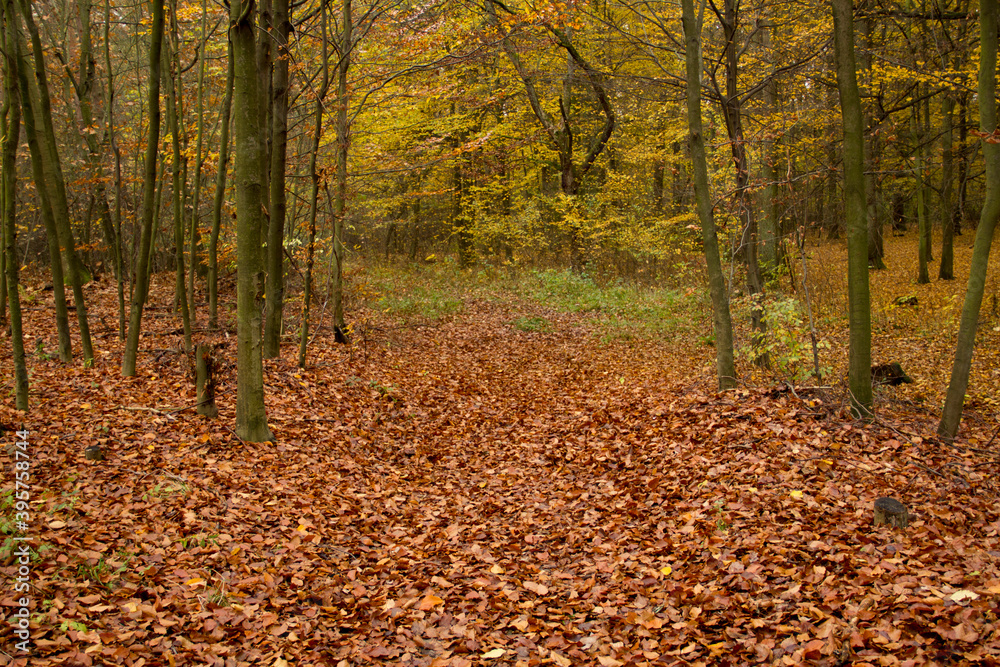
(513, 471)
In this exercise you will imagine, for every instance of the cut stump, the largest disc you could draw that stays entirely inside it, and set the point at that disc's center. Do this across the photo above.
(891, 512)
(205, 381)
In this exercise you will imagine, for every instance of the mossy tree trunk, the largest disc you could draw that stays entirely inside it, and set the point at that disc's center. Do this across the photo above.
(721, 319)
(959, 383)
(251, 418)
(142, 272)
(11, 135)
(856, 215)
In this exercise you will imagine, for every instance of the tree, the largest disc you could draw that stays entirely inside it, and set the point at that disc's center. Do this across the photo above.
(12, 129)
(561, 132)
(38, 98)
(952, 414)
(859, 381)
(721, 319)
(142, 273)
(251, 417)
(275, 294)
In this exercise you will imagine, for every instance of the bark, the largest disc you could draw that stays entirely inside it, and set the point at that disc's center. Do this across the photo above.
(923, 221)
(251, 418)
(142, 273)
(749, 238)
(959, 383)
(721, 319)
(274, 303)
(340, 201)
(12, 128)
(193, 236)
(46, 136)
(314, 179)
(947, 268)
(110, 136)
(859, 376)
(51, 235)
(220, 194)
(174, 105)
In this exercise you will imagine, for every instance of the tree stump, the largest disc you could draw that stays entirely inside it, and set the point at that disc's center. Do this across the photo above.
(205, 380)
(890, 374)
(891, 512)
(94, 453)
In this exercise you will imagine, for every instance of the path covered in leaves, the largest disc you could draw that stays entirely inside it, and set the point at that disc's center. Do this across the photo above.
(464, 493)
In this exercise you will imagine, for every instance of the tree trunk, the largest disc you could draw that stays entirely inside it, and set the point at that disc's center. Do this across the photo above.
(340, 201)
(859, 376)
(51, 235)
(923, 220)
(314, 178)
(12, 129)
(52, 166)
(952, 414)
(721, 320)
(193, 237)
(220, 194)
(251, 418)
(745, 212)
(142, 272)
(947, 269)
(110, 136)
(174, 104)
(275, 293)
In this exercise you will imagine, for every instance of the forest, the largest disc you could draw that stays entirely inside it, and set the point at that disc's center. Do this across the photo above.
(597, 332)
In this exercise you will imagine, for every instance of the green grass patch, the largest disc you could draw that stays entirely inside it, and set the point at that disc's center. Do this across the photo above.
(622, 311)
(532, 324)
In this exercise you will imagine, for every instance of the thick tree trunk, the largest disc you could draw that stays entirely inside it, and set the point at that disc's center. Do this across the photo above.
(12, 129)
(952, 414)
(251, 418)
(859, 376)
(275, 294)
(142, 272)
(721, 320)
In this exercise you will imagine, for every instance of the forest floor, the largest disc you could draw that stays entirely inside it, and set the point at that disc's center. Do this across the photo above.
(517, 471)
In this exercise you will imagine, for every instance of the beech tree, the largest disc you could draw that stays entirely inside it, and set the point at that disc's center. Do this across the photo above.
(859, 355)
(251, 417)
(959, 383)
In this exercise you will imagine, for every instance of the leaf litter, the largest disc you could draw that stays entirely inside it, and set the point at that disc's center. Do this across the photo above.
(462, 492)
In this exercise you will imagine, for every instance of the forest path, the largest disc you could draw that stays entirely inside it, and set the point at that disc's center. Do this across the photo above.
(463, 492)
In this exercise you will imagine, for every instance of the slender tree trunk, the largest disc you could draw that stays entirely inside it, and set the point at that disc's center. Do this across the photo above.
(53, 173)
(959, 384)
(174, 103)
(343, 146)
(314, 179)
(275, 294)
(721, 320)
(947, 269)
(193, 236)
(142, 273)
(51, 235)
(251, 418)
(859, 377)
(12, 130)
(923, 221)
(111, 138)
(220, 193)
